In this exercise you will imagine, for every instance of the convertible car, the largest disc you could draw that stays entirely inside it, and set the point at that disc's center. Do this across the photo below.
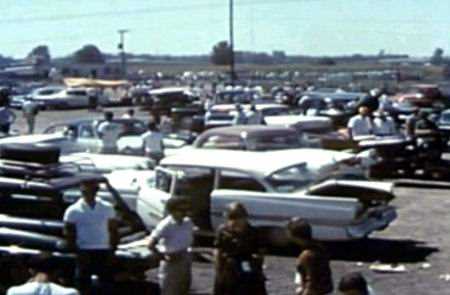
(274, 186)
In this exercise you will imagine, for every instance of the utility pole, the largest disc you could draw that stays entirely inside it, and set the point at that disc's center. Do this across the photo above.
(232, 68)
(121, 47)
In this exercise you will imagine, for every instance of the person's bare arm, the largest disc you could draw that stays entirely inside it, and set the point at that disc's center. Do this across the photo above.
(113, 233)
(70, 233)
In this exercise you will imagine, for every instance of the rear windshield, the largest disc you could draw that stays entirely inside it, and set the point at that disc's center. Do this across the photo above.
(274, 142)
(292, 179)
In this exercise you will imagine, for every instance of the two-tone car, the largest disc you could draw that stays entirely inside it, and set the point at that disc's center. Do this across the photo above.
(274, 186)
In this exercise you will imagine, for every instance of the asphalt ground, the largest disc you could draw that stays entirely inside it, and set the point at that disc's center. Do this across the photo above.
(419, 240)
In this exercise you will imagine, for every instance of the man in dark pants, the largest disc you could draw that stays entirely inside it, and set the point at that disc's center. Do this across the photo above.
(91, 229)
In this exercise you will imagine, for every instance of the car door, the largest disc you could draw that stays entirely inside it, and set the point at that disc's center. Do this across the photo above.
(232, 186)
(77, 98)
(87, 138)
(329, 217)
(153, 196)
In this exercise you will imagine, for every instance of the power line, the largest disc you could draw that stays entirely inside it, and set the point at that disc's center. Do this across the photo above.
(154, 10)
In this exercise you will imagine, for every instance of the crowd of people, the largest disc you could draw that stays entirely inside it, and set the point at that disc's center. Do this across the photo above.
(91, 231)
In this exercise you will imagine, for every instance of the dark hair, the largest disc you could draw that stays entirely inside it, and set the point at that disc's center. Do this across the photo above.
(109, 115)
(177, 203)
(354, 281)
(151, 125)
(236, 210)
(299, 228)
(130, 111)
(42, 264)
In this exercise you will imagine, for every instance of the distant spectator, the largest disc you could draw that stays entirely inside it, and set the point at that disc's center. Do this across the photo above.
(109, 132)
(42, 282)
(383, 124)
(240, 118)
(152, 142)
(354, 284)
(93, 98)
(313, 275)
(30, 109)
(166, 124)
(410, 124)
(371, 101)
(360, 125)
(254, 117)
(129, 114)
(7, 117)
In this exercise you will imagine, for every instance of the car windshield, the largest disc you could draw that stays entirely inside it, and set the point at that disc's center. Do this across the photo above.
(274, 142)
(445, 117)
(292, 179)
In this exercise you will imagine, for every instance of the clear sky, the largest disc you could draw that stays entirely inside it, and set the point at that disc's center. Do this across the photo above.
(312, 27)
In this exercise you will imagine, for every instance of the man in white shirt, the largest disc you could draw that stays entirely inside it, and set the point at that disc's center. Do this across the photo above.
(129, 114)
(240, 117)
(91, 230)
(172, 239)
(152, 143)
(383, 124)
(30, 110)
(42, 281)
(254, 117)
(109, 132)
(361, 125)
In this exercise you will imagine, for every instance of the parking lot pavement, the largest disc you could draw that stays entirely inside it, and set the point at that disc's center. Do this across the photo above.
(419, 235)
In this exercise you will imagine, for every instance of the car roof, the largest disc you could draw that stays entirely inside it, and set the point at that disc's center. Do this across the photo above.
(250, 130)
(260, 164)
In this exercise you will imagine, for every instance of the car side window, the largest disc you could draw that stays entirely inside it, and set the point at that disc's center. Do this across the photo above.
(235, 180)
(77, 92)
(223, 142)
(86, 131)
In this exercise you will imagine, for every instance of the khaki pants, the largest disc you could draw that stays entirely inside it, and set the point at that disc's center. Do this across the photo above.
(175, 275)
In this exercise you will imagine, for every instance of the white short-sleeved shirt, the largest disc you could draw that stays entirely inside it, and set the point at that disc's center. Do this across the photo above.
(152, 141)
(91, 223)
(384, 127)
(173, 237)
(110, 133)
(360, 125)
(29, 107)
(240, 118)
(36, 288)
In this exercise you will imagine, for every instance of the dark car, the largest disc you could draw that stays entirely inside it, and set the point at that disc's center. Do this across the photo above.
(35, 192)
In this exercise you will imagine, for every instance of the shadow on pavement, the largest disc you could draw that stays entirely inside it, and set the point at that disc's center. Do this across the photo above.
(370, 250)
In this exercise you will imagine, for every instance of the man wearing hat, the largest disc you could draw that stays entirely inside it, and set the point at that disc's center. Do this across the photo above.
(172, 239)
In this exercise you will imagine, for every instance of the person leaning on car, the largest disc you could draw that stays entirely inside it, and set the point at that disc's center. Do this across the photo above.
(109, 132)
(313, 276)
(91, 230)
